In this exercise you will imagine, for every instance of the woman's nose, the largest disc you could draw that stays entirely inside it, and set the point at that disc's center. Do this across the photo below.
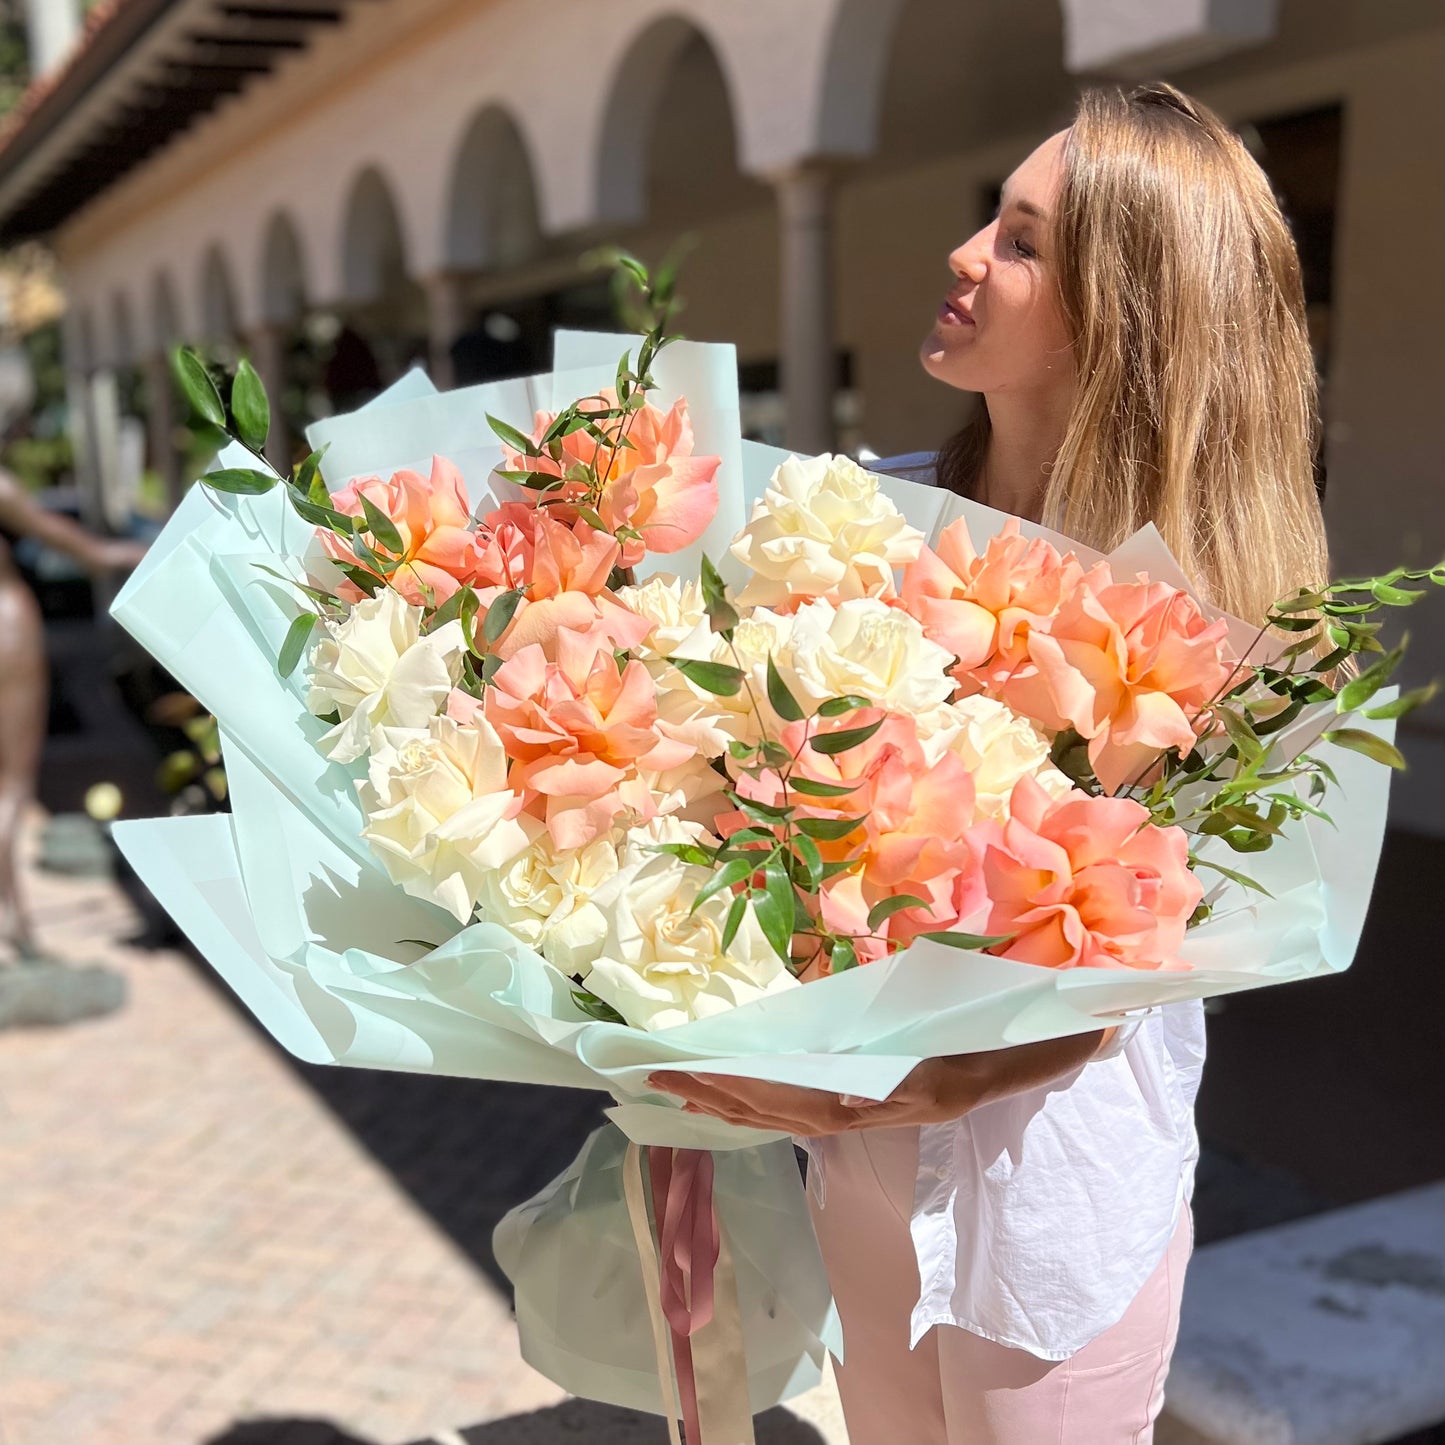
(970, 261)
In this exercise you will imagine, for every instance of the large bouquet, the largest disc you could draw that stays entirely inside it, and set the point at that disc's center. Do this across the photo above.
(896, 777)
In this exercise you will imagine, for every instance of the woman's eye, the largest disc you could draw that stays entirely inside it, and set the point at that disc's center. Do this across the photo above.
(1020, 247)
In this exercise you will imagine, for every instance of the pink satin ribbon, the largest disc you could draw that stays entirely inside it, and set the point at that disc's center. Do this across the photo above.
(688, 1243)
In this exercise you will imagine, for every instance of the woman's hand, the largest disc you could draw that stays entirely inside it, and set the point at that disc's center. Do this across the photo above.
(934, 1092)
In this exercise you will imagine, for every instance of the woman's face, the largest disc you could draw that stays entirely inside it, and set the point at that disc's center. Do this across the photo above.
(999, 329)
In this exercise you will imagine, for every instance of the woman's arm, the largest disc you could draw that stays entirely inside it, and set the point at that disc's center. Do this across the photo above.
(936, 1091)
(23, 516)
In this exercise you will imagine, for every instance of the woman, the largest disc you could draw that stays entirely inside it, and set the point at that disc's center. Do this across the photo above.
(1007, 1234)
(24, 684)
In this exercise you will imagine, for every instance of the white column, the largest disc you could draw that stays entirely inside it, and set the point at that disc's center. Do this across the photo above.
(806, 350)
(267, 345)
(446, 320)
(51, 30)
(161, 423)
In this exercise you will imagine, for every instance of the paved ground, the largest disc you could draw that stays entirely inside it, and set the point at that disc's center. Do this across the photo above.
(202, 1242)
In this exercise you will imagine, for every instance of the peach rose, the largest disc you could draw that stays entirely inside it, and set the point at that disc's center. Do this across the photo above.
(579, 731)
(982, 608)
(1130, 666)
(653, 485)
(916, 811)
(432, 514)
(564, 568)
(1084, 882)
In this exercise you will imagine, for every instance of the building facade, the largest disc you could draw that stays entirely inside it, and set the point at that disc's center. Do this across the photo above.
(340, 187)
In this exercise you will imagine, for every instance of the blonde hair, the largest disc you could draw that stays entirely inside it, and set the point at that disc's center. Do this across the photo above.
(1197, 404)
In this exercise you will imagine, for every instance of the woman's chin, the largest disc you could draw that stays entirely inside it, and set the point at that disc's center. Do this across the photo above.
(942, 361)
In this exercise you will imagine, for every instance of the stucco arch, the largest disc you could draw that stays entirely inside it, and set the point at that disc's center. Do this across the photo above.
(122, 350)
(373, 244)
(635, 86)
(219, 317)
(165, 315)
(281, 283)
(491, 206)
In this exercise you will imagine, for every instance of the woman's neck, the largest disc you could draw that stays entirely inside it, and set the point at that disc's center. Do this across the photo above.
(1025, 434)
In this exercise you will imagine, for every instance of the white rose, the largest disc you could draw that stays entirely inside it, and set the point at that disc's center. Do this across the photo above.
(376, 670)
(864, 648)
(662, 964)
(709, 720)
(996, 745)
(823, 529)
(439, 813)
(544, 896)
(675, 610)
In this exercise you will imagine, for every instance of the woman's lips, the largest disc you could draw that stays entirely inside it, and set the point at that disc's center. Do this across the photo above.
(950, 314)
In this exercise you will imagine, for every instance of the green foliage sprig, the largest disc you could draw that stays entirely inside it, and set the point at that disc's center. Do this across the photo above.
(1235, 785)
(606, 422)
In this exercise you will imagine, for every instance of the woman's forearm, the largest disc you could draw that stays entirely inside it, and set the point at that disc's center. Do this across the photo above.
(986, 1077)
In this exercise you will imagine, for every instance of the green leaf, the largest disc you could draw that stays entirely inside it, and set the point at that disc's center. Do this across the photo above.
(978, 942)
(320, 515)
(775, 755)
(839, 865)
(1234, 877)
(887, 907)
(716, 677)
(728, 876)
(500, 613)
(367, 556)
(249, 406)
(828, 829)
(783, 702)
(845, 738)
(764, 812)
(308, 476)
(1357, 740)
(733, 922)
(837, 706)
(197, 387)
(842, 956)
(737, 841)
(359, 577)
(513, 438)
(594, 1007)
(688, 852)
(811, 788)
(1303, 601)
(295, 643)
(722, 616)
(242, 480)
(1406, 702)
(381, 527)
(1395, 596)
(812, 860)
(1361, 689)
(775, 908)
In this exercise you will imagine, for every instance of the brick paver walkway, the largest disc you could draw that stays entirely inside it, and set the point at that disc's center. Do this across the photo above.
(194, 1232)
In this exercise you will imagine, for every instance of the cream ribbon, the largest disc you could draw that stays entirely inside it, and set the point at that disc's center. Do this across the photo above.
(719, 1372)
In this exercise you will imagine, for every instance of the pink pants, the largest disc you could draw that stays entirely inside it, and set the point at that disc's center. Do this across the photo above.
(958, 1388)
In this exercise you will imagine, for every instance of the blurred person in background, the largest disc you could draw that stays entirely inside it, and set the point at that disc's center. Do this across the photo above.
(24, 682)
(1007, 1235)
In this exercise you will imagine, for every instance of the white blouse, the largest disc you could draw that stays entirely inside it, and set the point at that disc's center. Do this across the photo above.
(1037, 1219)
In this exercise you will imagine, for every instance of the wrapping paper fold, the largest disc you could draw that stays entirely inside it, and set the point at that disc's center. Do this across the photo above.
(284, 899)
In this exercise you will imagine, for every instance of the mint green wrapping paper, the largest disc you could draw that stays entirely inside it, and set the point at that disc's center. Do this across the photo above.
(284, 899)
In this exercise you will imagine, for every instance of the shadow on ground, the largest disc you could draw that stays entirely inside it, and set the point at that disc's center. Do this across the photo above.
(581, 1421)
(588, 1423)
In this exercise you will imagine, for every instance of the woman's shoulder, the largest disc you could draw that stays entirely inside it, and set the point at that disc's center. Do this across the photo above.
(912, 466)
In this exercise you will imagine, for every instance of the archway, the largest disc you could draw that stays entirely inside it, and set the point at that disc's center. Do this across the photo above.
(383, 327)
